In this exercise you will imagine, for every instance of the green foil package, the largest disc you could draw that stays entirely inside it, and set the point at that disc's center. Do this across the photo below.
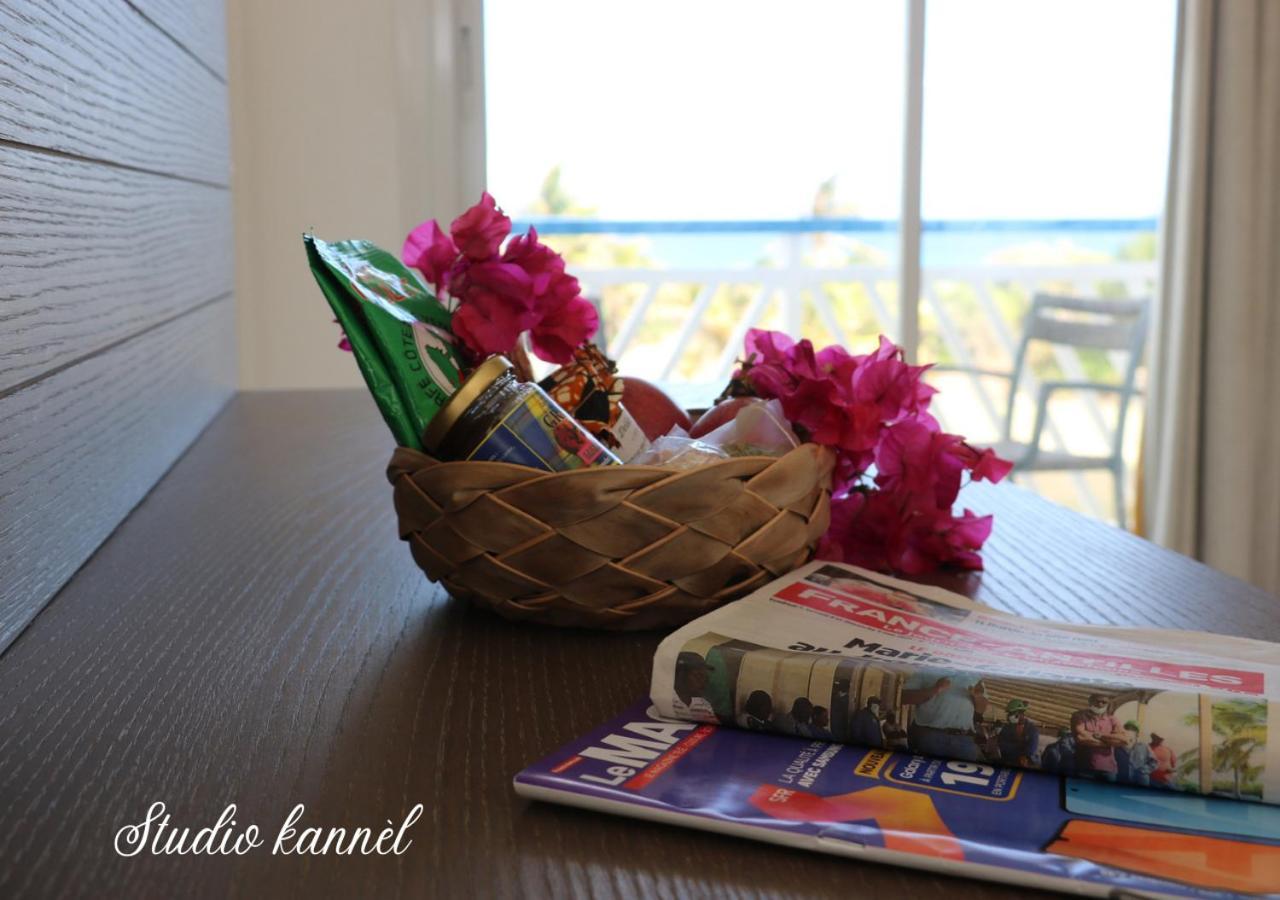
(399, 332)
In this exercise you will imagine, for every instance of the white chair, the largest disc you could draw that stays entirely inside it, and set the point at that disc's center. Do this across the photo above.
(1115, 325)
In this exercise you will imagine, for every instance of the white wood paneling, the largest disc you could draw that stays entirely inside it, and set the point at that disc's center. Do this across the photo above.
(95, 79)
(117, 320)
(80, 448)
(91, 254)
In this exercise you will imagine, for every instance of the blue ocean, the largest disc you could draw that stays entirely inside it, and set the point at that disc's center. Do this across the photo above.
(747, 245)
(948, 248)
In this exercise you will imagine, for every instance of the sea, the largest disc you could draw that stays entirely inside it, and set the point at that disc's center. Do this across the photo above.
(942, 244)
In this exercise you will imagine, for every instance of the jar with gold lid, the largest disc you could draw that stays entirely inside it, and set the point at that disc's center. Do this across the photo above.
(494, 416)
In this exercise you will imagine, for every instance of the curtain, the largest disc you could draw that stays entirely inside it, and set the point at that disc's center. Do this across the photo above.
(1211, 473)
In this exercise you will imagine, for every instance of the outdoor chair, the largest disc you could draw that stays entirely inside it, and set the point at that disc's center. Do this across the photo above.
(1112, 325)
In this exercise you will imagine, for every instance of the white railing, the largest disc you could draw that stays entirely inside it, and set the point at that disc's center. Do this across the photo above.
(791, 289)
(970, 317)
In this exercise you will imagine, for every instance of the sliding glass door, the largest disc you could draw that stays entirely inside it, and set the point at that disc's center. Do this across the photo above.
(1045, 137)
(709, 167)
(706, 167)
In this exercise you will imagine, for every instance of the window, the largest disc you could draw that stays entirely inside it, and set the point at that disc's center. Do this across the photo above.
(1046, 129)
(701, 145)
(713, 166)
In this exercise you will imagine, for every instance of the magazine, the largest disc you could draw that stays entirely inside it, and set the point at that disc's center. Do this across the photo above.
(834, 652)
(983, 821)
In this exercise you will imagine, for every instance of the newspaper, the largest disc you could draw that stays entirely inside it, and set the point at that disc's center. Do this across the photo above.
(834, 652)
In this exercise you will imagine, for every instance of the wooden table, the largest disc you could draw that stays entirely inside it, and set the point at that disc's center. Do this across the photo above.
(254, 633)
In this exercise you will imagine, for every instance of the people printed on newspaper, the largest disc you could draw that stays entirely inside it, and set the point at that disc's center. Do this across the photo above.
(798, 721)
(905, 671)
(757, 712)
(895, 736)
(1017, 742)
(691, 680)
(1166, 761)
(1073, 730)
(1098, 734)
(1140, 761)
(948, 708)
(1060, 756)
(866, 727)
(820, 722)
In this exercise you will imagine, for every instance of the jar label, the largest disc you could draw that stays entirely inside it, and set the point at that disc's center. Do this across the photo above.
(538, 434)
(630, 436)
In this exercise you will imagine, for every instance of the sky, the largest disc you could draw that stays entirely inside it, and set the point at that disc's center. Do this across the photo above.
(695, 109)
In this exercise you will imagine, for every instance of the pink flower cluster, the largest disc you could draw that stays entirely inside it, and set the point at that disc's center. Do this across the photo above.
(873, 410)
(502, 295)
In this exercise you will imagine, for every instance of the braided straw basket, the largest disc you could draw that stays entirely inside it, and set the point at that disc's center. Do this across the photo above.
(617, 547)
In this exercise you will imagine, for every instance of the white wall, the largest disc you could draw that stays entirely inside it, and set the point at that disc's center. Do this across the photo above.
(350, 119)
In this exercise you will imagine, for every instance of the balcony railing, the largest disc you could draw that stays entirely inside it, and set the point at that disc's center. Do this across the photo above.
(826, 279)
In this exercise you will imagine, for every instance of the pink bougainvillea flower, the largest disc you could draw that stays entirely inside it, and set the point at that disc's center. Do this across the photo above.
(500, 296)
(480, 231)
(489, 322)
(500, 277)
(431, 252)
(537, 260)
(818, 391)
(817, 406)
(864, 527)
(768, 346)
(874, 409)
(963, 536)
(983, 464)
(344, 343)
(941, 539)
(919, 462)
(837, 543)
(904, 457)
(775, 365)
(767, 368)
(565, 321)
(883, 378)
(875, 531)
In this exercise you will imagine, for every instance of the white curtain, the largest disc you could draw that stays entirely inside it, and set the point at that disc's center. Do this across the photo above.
(1211, 473)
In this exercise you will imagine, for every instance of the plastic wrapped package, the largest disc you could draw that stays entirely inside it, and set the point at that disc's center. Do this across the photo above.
(677, 450)
(759, 429)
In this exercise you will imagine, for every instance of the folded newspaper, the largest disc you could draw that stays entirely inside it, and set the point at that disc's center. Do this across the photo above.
(834, 652)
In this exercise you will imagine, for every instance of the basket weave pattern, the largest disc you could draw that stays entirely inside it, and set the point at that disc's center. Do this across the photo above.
(618, 547)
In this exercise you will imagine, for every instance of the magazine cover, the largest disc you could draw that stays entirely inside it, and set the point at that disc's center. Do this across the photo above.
(964, 818)
(833, 652)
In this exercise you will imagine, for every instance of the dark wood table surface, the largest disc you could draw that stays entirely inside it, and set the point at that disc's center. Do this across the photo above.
(254, 633)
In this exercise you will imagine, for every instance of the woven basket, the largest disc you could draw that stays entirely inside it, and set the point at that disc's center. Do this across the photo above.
(617, 547)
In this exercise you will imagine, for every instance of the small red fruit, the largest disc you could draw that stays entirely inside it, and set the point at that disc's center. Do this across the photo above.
(653, 410)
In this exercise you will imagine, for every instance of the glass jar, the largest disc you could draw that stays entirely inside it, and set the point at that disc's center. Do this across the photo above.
(495, 417)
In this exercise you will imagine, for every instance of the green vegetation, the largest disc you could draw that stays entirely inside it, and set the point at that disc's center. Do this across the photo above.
(1240, 730)
(962, 323)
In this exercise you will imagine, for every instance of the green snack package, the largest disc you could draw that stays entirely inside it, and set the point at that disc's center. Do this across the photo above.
(399, 332)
